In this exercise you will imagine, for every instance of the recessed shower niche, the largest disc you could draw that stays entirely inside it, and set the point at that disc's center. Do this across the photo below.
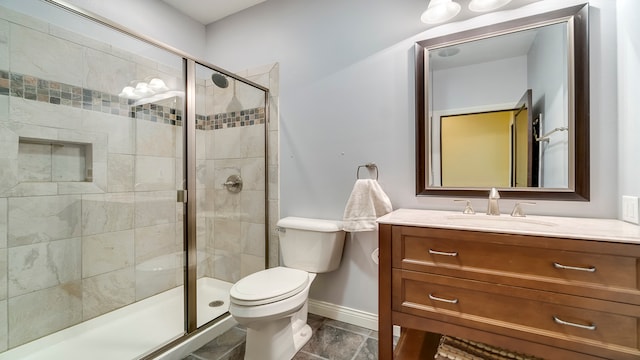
(41, 160)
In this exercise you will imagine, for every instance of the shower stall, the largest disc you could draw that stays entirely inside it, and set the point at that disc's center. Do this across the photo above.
(133, 189)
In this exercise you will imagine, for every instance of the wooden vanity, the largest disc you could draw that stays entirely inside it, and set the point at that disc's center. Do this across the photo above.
(551, 287)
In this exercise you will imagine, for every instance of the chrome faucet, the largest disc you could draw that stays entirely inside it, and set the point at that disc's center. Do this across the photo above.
(492, 207)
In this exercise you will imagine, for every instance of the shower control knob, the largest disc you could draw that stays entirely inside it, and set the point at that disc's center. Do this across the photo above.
(233, 184)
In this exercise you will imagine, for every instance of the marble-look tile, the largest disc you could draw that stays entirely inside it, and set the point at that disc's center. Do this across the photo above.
(68, 162)
(222, 345)
(107, 213)
(368, 351)
(51, 310)
(155, 139)
(334, 343)
(250, 264)
(96, 142)
(227, 235)
(4, 108)
(154, 208)
(149, 283)
(34, 162)
(201, 142)
(3, 223)
(253, 239)
(155, 241)
(155, 173)
(78, 38)
(44, 114)
(119, 130)
(107, 292)
(205, 202)
(44, 265)
(4, 326)
(43, 218)
(252, 206)
(107, 252)
(32, 189)
(240, 142)
(120, 170)
(9, 179)
(226, 205)
(3, 274)
(251, 170)
(201, 174)
(306, 356)
(274, 182)
(226, 266)
(105, 72)
(76, 187)
(4, 44)
(253, 173)
(42, 55)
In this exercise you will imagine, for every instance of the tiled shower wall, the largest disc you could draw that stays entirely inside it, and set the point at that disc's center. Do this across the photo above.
(70, 249)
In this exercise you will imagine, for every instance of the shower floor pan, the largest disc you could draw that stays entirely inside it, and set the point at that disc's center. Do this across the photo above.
(129, 332)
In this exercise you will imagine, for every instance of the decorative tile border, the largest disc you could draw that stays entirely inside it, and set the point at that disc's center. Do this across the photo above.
(57, 93)
(231, 119)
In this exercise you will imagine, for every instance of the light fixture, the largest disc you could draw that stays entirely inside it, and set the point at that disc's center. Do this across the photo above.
(440, 11)
(143, 89)
(487, 5)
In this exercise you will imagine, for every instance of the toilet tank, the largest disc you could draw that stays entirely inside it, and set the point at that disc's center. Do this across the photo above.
(313, 245)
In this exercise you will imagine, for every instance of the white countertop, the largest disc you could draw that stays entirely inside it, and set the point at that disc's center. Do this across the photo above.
(551, 226)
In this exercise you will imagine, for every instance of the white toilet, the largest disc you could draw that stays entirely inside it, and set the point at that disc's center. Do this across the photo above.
(272, 303)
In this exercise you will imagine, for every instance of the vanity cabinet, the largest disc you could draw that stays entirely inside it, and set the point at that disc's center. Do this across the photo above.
(547, 296)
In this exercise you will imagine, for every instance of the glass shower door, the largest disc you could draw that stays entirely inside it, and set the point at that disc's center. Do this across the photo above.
(91, 148)
(231, 186)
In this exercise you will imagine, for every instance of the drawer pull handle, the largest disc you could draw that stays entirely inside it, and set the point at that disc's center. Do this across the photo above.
(588, 269)
(453, 301)
(562, 322)
(435, 252)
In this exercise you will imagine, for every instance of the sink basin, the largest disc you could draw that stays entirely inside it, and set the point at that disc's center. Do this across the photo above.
(502, 221)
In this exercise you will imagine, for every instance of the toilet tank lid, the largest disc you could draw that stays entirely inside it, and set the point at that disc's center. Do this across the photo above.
(319, 225)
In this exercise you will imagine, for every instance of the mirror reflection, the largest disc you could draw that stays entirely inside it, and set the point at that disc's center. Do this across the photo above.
(486, 131)
(505, 108)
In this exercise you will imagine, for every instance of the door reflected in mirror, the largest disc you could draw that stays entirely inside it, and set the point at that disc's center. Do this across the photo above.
(476, 128)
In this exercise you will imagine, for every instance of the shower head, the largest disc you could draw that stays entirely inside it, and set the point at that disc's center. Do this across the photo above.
(220, 80)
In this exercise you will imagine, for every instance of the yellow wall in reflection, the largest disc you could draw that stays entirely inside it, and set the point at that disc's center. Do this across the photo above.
(476, 150)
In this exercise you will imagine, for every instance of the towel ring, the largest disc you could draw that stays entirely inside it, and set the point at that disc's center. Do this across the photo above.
(370, 166)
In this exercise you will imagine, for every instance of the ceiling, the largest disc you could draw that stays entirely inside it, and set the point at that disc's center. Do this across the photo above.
(208, 11)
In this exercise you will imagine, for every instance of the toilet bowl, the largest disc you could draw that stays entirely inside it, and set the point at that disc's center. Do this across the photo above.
(272, 303)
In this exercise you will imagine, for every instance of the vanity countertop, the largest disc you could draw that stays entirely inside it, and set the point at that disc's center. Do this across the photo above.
(551, 226)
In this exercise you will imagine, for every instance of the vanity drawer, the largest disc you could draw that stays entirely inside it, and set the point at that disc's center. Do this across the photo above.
(530, 259)
(543, 314)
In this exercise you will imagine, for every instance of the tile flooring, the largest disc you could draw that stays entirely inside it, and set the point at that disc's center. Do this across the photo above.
(331, 339)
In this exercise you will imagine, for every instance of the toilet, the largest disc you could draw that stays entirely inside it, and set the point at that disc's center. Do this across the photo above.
(272, 303)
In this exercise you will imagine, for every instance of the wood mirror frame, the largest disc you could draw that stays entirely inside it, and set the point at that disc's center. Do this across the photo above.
(578, 105)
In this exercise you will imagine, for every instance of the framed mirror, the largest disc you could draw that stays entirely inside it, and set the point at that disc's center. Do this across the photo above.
(506, 106)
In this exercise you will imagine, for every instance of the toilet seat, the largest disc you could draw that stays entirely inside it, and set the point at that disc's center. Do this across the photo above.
(268, 286)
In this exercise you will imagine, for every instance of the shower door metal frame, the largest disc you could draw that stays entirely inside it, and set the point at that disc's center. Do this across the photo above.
(189, 170)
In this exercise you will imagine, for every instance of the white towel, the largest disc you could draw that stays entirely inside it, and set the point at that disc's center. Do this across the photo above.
(366, 203)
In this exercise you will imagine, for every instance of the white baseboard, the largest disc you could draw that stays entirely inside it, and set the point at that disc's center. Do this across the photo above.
(345, 314)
